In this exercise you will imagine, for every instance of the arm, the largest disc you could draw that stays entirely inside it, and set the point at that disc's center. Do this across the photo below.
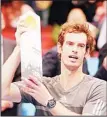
(9, 90)
(40, 93)
(59, 109)
(96, 105)
(96, 101)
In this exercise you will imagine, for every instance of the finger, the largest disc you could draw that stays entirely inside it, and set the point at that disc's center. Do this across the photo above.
(25, 89)
(30, 83)
(33, 94)
(3, 109)
(22, 29)
(34, 80)
(20, 22)
(22, 26)
(21, 84)
(30, 91)
(6, 104)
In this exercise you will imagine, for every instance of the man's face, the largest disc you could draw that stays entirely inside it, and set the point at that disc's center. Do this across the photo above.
(73, 50)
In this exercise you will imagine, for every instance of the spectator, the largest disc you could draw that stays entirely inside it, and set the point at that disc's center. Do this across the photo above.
(102, 72)
(102, 54)
(102, 36)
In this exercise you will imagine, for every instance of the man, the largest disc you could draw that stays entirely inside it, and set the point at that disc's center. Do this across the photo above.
(70, 93)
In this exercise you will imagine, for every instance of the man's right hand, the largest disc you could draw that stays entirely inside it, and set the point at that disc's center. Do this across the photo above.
(21, 28)
(5, 105)
(24, 25)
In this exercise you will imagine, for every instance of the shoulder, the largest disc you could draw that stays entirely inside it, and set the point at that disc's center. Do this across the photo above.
(97, 87)
(96, 101)
(94, 80)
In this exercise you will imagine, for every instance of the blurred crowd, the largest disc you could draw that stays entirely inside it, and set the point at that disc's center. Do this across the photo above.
(53, 14)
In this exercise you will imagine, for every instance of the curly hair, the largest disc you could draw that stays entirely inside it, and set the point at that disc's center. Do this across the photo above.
(77, 28)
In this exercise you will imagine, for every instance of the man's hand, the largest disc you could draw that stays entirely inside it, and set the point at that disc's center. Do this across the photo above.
(24, 25)
(21, 28)
(40, 93)
(37, 90)
(5, 105)
(105, 63)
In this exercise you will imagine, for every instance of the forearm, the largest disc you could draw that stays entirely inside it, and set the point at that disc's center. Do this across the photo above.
(59, 109)
(8, 70)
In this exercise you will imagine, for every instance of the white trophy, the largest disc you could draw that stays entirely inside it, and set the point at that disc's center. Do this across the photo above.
(31, 50)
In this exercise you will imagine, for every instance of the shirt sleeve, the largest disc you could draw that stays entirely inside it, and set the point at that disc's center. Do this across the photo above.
(97, 103)
(25, 98)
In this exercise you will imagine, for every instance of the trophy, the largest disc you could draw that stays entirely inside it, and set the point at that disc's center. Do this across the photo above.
(30, 45)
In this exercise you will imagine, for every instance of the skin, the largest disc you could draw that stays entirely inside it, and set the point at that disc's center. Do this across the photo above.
(4, 103)
(74, 45)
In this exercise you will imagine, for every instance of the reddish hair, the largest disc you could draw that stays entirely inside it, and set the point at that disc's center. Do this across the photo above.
(77, 28)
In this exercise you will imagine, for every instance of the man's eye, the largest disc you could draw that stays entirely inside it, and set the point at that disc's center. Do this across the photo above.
(70, 43)
(82, 46)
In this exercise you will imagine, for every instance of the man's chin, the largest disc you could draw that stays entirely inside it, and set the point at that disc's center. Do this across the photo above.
(73, 67)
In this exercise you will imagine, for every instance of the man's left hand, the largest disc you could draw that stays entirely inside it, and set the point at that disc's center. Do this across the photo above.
(37, 90)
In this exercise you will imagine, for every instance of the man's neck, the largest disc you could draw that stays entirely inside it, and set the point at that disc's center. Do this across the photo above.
(70, 78)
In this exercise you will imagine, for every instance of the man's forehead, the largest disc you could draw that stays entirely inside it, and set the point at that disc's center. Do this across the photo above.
(76, 37)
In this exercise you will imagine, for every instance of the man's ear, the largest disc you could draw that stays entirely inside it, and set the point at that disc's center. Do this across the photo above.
(87, 54)
(59, 48)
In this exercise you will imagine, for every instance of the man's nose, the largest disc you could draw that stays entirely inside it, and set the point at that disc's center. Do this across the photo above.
(74, 49)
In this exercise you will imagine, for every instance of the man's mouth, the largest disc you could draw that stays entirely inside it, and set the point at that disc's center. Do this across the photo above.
(73, 56)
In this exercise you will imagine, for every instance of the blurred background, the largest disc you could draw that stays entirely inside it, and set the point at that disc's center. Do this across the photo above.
(53, 14)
